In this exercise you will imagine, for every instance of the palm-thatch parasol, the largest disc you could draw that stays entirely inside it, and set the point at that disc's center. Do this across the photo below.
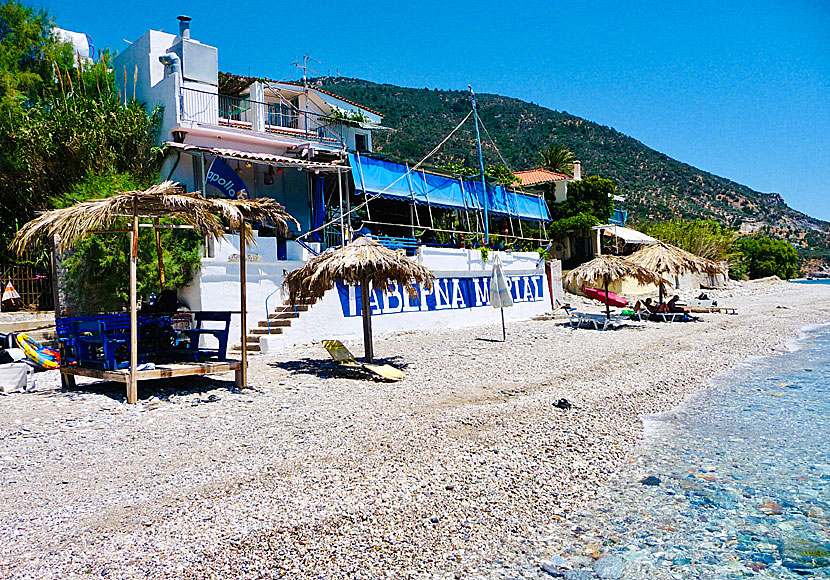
(665, 259)
(169, 200)
(607, 268)
(166, 199)
(363, 262)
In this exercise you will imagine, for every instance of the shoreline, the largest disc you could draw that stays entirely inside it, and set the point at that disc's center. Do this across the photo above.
(635, 528)
(464, 463)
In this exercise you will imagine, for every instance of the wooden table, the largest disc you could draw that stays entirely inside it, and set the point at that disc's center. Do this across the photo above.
(162, 371)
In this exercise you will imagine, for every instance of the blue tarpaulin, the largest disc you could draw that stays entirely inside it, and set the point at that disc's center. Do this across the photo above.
(391, 180)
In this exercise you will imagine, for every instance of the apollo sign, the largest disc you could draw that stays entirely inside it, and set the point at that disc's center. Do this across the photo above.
(446, 294)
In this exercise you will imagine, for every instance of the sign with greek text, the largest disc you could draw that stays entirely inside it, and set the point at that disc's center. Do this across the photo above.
(446, 294)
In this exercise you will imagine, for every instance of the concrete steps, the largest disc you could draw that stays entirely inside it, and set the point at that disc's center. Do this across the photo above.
(278, 321)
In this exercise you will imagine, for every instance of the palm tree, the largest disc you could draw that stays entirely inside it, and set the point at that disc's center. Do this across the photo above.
(558, 159)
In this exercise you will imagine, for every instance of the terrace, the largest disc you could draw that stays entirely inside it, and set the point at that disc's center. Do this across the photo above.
(282, 117)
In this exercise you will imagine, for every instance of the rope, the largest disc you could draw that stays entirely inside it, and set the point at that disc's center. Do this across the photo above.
(496, 147)
(385, 189)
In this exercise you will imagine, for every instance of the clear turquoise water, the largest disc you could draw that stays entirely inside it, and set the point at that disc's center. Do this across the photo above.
(744, 470)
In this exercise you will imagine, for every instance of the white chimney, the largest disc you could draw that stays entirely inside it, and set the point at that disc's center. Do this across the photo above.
(184, 26)
(577, 170)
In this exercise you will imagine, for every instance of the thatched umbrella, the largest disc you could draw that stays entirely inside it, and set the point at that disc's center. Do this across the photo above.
(665, 259)
(607, 268)
(168, 199)
(363, 262)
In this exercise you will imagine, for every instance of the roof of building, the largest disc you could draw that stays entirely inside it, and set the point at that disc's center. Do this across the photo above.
(331, 94)
(628, 235)
(536, 176)
(312, 87)
(270, 158)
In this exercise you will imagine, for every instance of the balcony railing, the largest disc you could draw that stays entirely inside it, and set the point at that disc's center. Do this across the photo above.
(618, 217)
(276, 118)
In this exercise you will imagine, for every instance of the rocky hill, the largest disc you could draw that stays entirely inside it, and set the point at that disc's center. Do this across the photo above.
(656, 186)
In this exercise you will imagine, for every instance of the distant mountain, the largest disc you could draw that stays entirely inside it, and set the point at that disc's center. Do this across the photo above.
(655, 186)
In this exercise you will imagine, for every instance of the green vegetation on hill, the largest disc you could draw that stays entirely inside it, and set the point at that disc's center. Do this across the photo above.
(656, 186)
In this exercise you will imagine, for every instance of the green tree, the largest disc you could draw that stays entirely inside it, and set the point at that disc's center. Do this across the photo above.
(500, 173)
(763, 256)
(29, 55)
(705, 238)
(558, 159)
(65, 137)
(591, 196)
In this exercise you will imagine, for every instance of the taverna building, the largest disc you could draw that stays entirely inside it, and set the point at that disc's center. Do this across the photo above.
(311, 151)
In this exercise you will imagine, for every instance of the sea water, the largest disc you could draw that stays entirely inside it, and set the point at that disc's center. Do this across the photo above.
(734, 483)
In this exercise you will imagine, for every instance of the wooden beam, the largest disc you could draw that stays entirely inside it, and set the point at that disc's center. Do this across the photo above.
(132, 382)
(242, 377)
(159, 253)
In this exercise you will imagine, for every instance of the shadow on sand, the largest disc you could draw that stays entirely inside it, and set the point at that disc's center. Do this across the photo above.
(329, 369)
(160, 388)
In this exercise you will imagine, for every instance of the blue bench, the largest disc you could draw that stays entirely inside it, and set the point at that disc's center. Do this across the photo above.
(97, 341)
(102, 341)
(409, 245)
(221, 334)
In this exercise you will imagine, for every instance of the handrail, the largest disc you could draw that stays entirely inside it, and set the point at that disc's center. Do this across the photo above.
(267, 312)
(307, 247)
(235, 110)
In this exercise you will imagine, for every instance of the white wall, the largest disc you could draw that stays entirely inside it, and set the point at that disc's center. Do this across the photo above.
(326, 319)
(217, 288)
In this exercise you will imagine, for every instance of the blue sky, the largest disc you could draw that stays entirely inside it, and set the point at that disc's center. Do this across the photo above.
(739, 89)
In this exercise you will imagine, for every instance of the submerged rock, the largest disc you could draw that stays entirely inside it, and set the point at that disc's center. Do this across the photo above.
(650, 480)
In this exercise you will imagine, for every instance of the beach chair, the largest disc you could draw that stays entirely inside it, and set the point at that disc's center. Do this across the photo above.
(345, 358)
(595, 321)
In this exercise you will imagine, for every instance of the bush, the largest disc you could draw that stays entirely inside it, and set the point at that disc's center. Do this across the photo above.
(705, 238)
(762, 256)
(97, 271)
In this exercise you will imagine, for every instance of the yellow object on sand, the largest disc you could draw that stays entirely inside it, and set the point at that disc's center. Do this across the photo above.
(342, 355)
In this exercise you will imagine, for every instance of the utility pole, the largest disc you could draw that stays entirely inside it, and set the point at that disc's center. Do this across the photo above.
(481, 168)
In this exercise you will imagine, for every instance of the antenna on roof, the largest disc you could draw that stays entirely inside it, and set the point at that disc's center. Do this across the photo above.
(305, 68)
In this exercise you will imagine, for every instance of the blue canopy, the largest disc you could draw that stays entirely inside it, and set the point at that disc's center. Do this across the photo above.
(391, 180)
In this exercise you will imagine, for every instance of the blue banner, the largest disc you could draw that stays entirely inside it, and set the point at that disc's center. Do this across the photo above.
(225, 179)
(446, 294)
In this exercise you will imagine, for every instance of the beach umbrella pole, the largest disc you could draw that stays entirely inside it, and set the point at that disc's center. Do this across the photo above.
(366, 314)
(503, 329)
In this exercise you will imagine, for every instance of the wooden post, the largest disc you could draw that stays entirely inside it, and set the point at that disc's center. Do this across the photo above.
(159, 254)
(56, 293)
(607, 305)
(132, 383)
(343, 240)
(242, 378)
(366, 314)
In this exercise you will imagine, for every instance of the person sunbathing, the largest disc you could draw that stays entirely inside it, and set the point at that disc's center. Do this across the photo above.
(673, 307)
(646, 304)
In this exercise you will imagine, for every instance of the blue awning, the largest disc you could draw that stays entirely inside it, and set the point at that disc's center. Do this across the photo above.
(392, 180)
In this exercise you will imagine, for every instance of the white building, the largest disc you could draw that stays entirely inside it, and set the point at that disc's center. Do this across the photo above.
(291, 143)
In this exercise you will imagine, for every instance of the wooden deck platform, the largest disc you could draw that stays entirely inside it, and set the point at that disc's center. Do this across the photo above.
(162, 371)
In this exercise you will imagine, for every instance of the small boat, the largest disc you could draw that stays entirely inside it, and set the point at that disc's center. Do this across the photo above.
(613, 299)
(45, 357)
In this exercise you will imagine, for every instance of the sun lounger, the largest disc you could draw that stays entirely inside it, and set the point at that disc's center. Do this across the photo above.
(342, 355)
(595, 321)
(709, 307)
(712, 309)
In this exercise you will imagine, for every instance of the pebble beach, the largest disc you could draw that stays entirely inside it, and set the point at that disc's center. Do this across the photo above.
(466, 468)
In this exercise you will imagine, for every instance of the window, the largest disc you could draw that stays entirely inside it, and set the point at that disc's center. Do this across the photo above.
(361, 142)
